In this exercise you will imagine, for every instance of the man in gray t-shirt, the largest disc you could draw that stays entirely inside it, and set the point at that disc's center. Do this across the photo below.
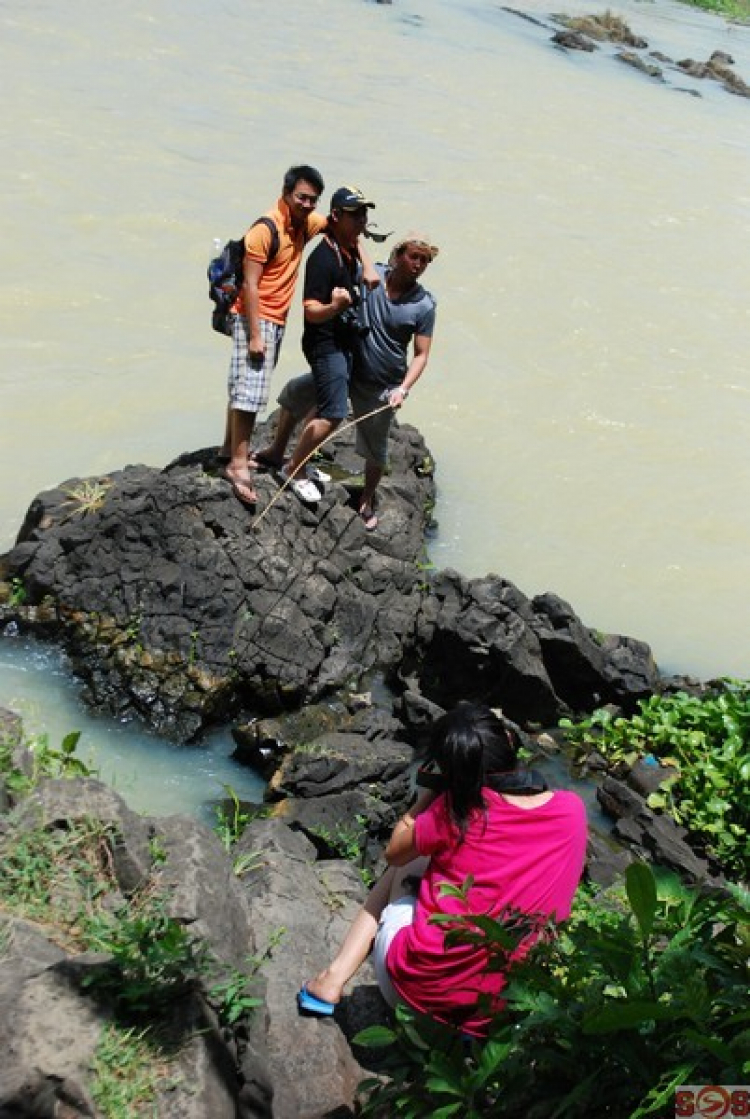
(400, 311)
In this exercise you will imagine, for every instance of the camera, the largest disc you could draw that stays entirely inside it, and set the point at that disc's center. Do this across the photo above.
(357, 317)
(429, 777)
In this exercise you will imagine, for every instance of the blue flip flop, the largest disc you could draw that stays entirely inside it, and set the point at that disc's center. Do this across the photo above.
(309, 1004)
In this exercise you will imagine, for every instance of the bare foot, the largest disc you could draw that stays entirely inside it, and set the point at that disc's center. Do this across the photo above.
(325, 987)
(244, 489)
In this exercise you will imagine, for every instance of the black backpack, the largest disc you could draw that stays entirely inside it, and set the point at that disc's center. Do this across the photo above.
(225, 276)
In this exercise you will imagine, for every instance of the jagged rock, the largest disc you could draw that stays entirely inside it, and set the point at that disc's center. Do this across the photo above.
(647, 776)
(573, 40)
(175, 606)
(718, 67)
(589, 670)
(313, 903)
(297, 604)
(345, 792)
(263, 743)
(483, 640)
(650, 834)
(630, 58)
(606, 861)
(618, 799)
(202, 888)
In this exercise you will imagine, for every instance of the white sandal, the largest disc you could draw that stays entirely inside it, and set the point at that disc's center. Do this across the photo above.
(301, 487)
(315, 474)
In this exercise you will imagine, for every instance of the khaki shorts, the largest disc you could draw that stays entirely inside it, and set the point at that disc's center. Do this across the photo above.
(372, 434)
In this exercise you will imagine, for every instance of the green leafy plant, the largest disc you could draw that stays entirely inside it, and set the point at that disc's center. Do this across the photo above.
(62, 876)
(62, 762)
(707, 740)
(46, 762)
(157, 850)
(231, 822)
(232, 996)
(18, 592)
(348, 843)
(640, 991)
(154, 959)
(736, 10)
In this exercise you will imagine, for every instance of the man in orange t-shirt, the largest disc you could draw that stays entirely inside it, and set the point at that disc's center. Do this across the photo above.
(261, 313)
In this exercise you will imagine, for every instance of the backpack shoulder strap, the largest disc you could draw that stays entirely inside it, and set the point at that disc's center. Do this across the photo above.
(270, 224)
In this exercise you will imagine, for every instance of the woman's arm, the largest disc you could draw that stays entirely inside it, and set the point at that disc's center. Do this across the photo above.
(401, 847)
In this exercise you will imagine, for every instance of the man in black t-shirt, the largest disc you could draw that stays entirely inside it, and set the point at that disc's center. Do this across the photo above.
(332, 277)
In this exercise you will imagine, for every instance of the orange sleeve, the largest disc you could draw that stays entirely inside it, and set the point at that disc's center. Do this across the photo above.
(316, 223)
(258, 242)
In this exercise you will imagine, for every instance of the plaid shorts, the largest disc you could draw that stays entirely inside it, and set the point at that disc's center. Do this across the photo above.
(250, 379)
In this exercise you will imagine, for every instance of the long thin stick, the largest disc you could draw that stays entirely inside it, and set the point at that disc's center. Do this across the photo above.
(337, 431)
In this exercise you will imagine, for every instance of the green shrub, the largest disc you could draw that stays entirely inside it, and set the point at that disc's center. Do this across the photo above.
(639, 992)
(707, 739)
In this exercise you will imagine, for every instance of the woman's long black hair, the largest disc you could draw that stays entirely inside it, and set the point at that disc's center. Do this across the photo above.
(468, 743)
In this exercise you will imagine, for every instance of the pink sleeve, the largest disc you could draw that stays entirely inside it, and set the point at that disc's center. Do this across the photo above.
(431, 828)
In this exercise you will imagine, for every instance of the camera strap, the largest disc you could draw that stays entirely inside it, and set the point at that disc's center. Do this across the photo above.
(519, 782)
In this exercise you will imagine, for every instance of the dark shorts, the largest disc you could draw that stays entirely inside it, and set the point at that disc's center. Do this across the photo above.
(331, 374)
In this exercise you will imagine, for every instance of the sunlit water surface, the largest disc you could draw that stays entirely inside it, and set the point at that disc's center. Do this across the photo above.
(588, 399)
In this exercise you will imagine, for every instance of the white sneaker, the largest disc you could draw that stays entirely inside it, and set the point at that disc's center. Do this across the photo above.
(315, 474)
(301, 487)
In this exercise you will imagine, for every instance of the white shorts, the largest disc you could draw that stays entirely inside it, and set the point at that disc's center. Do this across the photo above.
(395, 916)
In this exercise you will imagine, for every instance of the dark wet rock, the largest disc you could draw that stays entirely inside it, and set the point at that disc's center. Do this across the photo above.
(527, 16)
(652, 836)
(606, 861)
(718, 67)
(573, 40)
(174, 608)
(630, 58)
(647, 776)
(484, 641)
(584, 32)
(590, 669)
(345, 792)
(693, 68)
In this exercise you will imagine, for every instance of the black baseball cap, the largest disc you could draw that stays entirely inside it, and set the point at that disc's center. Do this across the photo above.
(349, 198)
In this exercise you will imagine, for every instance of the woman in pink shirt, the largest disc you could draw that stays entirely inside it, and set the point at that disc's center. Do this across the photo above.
(520, 845)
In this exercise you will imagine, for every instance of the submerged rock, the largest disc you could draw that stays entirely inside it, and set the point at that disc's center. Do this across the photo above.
(606, 27)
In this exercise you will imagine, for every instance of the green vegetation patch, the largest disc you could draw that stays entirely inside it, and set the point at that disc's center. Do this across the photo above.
(130, 1068)
(643, 989)
(707, 740)
(738, 11)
